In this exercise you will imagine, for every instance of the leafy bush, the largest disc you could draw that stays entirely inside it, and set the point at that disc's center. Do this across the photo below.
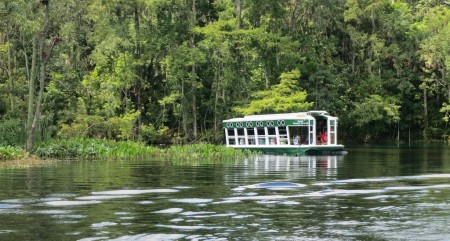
(84, 126)
(151, 135)
(204, 152)
(108, 149)
(13, 132)
(92, 149)
(11, 153)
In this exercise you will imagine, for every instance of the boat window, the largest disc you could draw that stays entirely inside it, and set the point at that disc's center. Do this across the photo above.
(282, 132)
(230, 132)
(250, 131)
(231, 141)
(271, 130)
(240, 132)
(332, 133)
(272, 135)
(251, 136)
(241, 136)
(231, 137)
(241, 141)
(333, 138)
(261, 136)
(299, 135)
(261, 132)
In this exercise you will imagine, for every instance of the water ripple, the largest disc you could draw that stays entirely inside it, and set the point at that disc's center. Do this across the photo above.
(271, 185)
(406, 188)
(102, 197)
(185, 227)
(388, 179)
(191, 200)
(134, 192)
(71, 203)
(103, 224)
(5, 206)
(18, 201)
(150, 237)
(170, 210)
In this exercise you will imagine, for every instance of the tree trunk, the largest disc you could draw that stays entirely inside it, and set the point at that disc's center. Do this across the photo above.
(194, 106)
(194, 77)
(43, 57)
(238, 14)
(444, 77)
(217, 95)
(10, 77)
(137, 55)
(184, 114)
(31, 86)
(425, 112)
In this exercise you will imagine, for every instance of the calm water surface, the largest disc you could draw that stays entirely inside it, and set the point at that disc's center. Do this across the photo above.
(373, 193)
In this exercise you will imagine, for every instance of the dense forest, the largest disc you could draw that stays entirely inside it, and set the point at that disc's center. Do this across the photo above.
(169, 71)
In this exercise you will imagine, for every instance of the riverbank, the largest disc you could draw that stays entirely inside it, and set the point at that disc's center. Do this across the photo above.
(27, 162)
(95, 149)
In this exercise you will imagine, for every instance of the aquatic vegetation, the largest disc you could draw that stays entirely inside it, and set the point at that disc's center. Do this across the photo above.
(92, 149)
(108, 149)
(204, 152)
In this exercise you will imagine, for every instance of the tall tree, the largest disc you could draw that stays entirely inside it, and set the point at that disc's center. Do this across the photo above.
(283, 97)
(44, 52)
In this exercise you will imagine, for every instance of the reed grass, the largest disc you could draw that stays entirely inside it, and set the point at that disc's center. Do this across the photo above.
(92, 149)
(204, 152)
(108, 149)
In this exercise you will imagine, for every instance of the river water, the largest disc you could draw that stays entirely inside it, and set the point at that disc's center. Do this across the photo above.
(370, 193)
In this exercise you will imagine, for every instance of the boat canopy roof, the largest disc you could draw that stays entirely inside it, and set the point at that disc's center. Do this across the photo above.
(276, 119)
(294, 116)
(285, 116)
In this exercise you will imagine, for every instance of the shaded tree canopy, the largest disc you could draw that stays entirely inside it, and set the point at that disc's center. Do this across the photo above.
(283, 97)
(172, 70)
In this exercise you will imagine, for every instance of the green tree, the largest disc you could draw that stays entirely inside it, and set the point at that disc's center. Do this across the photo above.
(435, 52)
(44, 52)
(372, 115)
(283, 97)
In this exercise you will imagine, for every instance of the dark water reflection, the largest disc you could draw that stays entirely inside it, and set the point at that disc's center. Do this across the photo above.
(371, 193)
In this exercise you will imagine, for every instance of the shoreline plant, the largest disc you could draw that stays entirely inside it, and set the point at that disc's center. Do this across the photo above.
(108, 149)
(11, 153)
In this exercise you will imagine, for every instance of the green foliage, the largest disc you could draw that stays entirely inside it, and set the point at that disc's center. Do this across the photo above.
(83, 126)
(204, 152)
(122, 126)
(152, 135)
(12, 132)
(124, 68)
(375, 109)
(373, 115)
(446, 110)
(92, 149)
(119, 127)
(283, 97)
(11, 153)
(78, 148)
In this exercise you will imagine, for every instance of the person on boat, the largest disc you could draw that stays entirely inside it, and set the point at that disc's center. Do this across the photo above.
(296, 140)
(324, 137)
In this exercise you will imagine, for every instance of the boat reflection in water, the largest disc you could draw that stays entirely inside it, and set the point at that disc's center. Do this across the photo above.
(294, 166)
